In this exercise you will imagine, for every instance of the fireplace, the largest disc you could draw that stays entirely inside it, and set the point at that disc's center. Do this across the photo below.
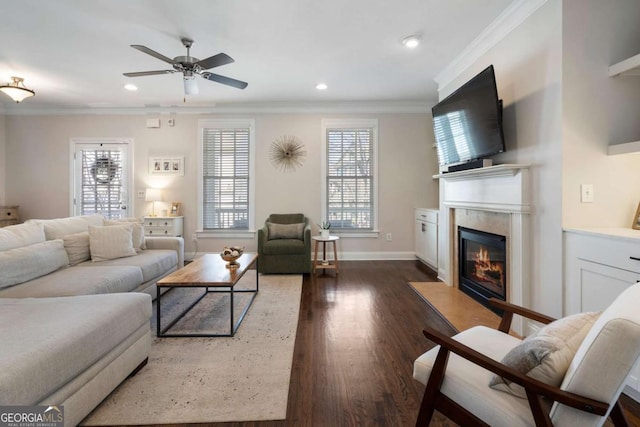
(482, 261)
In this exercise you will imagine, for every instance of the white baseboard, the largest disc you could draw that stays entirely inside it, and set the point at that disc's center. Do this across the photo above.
(377, 256)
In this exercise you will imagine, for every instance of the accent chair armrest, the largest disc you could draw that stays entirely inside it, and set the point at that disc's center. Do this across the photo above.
(535, 389)
(511, 309)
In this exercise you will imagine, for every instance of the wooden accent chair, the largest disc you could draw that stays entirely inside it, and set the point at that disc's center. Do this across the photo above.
(458, 370)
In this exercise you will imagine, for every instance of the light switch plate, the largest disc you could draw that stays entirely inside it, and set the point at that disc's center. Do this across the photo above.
(586, 193)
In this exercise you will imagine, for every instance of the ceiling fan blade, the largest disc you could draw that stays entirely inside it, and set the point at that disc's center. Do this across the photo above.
(153, 53)
(225, 80)
(148, 73)
(215, 61)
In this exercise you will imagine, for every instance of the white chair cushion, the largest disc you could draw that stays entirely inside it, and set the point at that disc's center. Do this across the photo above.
(77, 247)
(138, 231)
(603, 362)
(467, 383)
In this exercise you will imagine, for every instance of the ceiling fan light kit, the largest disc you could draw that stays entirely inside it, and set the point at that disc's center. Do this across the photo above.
(16, 90)
(190, 67)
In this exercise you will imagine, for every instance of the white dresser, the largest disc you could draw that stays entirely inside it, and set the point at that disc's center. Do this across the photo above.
(163, 226)
(600, 263)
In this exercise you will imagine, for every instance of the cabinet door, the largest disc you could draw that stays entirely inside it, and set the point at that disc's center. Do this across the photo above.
(601, 284)
(431, 244)
(420, 232)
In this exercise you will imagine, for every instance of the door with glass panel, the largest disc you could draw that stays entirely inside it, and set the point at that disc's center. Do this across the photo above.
(101, 177)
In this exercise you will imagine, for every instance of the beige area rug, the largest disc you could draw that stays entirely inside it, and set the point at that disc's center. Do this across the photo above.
(200, 380)
(457, 308)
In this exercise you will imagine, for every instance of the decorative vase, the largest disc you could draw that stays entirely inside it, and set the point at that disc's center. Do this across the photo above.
(324, 233)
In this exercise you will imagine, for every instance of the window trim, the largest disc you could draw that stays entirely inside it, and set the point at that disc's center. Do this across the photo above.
(219, 124)
(350, 124)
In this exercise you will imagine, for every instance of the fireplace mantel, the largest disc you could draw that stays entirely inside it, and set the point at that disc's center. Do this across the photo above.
(499, 190)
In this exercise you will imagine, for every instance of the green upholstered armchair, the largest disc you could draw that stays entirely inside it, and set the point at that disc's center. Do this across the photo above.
(284, 244)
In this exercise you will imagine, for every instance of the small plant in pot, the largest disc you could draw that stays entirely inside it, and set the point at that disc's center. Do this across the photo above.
(324, 229)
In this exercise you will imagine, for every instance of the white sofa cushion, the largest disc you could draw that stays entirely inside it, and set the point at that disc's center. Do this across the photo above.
(77, 247)
(16, 236)
(28, 262)
(152, 262)
(138, 230)
(78, 280)
(58, 227)
(115, 241)
(52, 340)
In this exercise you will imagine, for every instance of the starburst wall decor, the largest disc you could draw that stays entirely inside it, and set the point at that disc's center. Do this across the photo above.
(287, 153)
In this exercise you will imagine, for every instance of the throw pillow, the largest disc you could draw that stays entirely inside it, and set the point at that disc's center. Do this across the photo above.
(285, 231)
(77, 247)
(20, 265)
(547, 354)
(111, 242)
(138, 231)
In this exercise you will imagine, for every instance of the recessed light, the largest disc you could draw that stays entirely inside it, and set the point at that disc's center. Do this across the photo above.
(131, 87)
(321, 86)
(411, 41)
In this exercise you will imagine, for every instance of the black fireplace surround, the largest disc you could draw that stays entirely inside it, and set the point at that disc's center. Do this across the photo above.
(482, 265)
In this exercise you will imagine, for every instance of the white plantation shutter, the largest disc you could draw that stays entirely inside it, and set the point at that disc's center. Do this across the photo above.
(350, 178)
(225, 178)
(100, 179)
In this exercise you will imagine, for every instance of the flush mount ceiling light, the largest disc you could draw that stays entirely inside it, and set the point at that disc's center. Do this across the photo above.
(16, 89)
(131, 87)
(411, 41)
(321, 86)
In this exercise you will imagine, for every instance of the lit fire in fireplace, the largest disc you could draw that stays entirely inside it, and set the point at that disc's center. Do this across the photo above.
(487, 271)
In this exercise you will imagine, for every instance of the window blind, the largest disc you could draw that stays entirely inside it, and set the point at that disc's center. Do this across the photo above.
(350, 178)
(225, 157)
(101, 187)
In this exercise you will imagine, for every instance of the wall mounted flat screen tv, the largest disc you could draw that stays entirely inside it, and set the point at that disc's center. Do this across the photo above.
(468, 123)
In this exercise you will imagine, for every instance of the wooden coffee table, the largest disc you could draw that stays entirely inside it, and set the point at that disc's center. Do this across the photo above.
(211, 273)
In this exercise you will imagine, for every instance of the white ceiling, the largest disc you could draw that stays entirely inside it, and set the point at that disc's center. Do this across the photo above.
(73, 52)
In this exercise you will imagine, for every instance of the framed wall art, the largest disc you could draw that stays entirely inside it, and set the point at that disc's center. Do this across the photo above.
(636, 219)
(176, 208)
(166, 165)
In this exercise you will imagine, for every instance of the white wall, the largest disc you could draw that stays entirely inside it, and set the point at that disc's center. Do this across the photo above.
(528, 74)
(599, 110)
(2, 159)
(37, 170)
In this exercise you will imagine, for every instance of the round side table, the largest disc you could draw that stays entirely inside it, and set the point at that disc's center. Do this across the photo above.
(324, 263)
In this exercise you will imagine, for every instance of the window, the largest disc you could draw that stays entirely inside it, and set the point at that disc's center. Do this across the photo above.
(350, 172)
(100, 177)
(225, 201)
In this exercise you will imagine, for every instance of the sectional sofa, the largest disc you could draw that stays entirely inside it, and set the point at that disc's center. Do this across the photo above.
(75, 308)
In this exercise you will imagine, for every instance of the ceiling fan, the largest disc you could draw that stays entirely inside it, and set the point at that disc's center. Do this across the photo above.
(189, 67)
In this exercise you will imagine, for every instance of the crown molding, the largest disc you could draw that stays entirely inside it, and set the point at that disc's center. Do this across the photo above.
(382, 107)
(507, 21)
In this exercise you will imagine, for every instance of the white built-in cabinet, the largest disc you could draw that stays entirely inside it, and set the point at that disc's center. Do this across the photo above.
(426, 236)
(599, 265)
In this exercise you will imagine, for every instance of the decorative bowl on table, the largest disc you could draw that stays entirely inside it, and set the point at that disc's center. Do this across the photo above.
(231, 254)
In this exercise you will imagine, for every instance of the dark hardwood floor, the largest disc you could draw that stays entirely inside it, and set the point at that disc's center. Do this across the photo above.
(358, 335)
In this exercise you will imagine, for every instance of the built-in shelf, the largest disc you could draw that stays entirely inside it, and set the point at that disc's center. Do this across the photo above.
(628, 67)
(626, 148)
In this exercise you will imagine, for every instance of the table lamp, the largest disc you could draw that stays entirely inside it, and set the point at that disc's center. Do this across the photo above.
(153, 195)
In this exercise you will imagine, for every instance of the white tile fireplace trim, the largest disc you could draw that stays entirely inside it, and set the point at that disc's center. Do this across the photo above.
(502, 188)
